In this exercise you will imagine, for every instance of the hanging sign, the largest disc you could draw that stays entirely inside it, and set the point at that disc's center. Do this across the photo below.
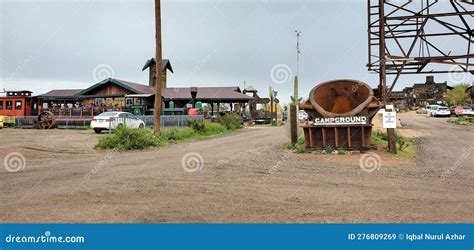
(389, 120)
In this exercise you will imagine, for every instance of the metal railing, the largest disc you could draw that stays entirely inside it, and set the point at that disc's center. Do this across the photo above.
(85, 121)
(171, 120)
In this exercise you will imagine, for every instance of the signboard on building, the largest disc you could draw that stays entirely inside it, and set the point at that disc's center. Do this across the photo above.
(350, 120)
(389, 119)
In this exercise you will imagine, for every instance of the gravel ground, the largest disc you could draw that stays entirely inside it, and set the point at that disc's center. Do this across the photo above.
(244, 177)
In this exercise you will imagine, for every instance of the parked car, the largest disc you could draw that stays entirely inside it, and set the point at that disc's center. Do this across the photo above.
(456, 110)
(114, 120)
(441, 111)
(467, 110)
(430, 109)
(302, 115)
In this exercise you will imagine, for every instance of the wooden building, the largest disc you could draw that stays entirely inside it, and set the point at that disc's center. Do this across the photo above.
(470, 91)
(114, 94)
(430, 92)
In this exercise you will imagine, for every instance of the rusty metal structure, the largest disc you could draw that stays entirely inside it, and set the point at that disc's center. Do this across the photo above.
(46, 120)
(344, 99)
(416, 37)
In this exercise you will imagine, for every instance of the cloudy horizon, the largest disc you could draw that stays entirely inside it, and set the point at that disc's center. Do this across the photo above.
(49, 45)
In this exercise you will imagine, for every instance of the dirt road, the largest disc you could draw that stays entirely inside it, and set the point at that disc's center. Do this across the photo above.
(244, 177)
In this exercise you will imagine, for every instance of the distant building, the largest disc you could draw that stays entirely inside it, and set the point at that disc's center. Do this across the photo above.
(114, 94)
(470, 91)
(423, 94)
(398, 98)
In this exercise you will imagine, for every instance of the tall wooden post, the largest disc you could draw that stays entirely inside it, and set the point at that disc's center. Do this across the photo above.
(392, 144)
(158, 82)
(293, 124)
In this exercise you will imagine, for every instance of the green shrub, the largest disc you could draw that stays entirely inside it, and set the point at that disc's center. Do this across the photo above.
(274, 123)
(402, 142)
(341, 151)
(213, 128)
(178, 134)
(230, 121)
(328, 149)
(198, 126)
(129, 139)
(187, 133)
(462, 120)
(298, 147)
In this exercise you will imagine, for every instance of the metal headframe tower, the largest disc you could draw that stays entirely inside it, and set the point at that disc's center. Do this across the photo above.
(419, 37)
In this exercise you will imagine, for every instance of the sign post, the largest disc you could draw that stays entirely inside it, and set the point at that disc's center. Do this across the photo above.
(390, 123)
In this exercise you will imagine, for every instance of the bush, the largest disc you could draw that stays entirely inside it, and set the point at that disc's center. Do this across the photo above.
(198, 126)
(129, 139)
(298, 147)
(177, 134)
(405, 146)
(402, 142)
(230, 121)
(341, 151)
(328, 149)
(212, 128)
(462, 120)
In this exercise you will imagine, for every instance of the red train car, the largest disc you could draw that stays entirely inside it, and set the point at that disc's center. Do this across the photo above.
(17, 103)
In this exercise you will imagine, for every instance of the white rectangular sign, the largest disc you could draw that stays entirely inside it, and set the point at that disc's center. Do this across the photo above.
(389, 120)
(351, 120)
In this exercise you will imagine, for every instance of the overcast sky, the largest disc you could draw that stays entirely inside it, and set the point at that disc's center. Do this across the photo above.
(73, 44)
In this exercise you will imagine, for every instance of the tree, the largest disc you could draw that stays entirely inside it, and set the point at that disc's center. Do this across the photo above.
(458, 95)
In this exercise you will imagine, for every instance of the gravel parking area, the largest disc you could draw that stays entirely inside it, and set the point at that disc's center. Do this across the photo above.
(246, 176)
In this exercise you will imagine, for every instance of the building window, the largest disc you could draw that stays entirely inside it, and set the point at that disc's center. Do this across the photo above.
(9, 104)
(129, 102)
(18, 105)
(1, 104)
(99, 101)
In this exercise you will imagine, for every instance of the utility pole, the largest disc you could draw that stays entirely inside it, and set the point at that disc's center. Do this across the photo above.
(293, 107)
(295, 90)
(270, 92)
(392, 144)
(158, 76)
